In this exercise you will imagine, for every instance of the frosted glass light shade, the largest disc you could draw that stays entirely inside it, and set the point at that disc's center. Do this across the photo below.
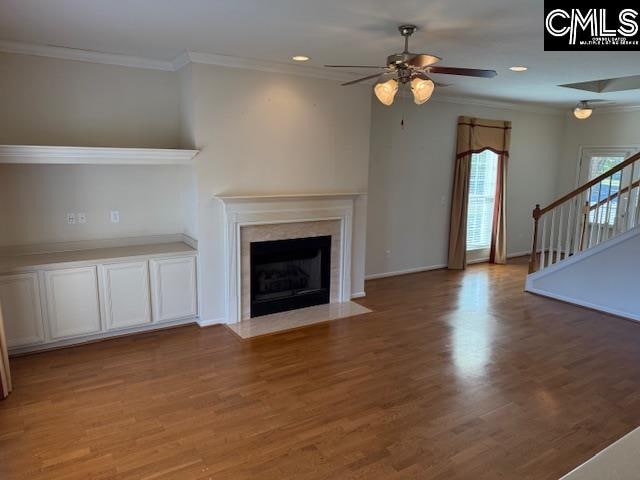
(422, 89)
(582, 113)
(386, 91)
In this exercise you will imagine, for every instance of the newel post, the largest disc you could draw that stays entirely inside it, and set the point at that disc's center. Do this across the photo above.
(533, 259)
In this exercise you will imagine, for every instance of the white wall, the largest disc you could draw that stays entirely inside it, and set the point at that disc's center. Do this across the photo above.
(600, 130)
(264, 133)
(47, 101)
(34, 200)
(411, 173)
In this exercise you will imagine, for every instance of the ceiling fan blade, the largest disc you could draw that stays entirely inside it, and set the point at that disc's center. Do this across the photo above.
(468, 72)
(361, 79)
(422, 60)
(353, 66)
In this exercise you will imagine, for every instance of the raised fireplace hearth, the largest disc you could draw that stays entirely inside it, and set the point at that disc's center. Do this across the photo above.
(290, 274)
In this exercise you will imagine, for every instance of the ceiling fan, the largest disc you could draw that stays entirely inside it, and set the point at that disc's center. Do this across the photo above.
(415, 68)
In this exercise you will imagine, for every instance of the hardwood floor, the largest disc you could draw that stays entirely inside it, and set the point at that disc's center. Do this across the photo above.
(454, 376)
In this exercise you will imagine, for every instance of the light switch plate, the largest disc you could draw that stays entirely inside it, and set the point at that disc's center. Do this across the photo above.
(115, 216)
(71, 218)
(82, 217)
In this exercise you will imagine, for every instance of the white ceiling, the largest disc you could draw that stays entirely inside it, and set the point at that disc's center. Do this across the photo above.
(480, 33)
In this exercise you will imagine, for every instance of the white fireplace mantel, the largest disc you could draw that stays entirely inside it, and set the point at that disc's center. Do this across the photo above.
(229, 199)
(244, 210)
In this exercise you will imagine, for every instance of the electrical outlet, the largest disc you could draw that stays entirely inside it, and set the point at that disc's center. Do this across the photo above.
(71, 218)
(387, 253)
(115, 216)
(82, 217)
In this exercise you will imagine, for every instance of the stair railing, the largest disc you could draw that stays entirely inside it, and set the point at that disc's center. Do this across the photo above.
(600, 209)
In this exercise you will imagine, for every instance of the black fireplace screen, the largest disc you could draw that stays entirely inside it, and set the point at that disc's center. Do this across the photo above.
(289, 274)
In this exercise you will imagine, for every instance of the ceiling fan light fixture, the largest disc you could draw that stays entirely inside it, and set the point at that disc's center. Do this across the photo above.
(518, 68)
(386, 91)
(300, 58)
(582, 111)
(408, 67)
(422, 89)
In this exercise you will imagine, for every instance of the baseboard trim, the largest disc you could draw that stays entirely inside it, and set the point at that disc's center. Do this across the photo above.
(408, 271)
(359, 294)
(584, 304)
(428, 268)
(99, 337)
(212, 321)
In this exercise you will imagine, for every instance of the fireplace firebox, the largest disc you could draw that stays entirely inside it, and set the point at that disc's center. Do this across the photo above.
(290, 274)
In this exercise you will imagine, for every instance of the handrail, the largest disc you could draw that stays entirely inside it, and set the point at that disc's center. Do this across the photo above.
(541, 211)
(569, 229)
(614, 195)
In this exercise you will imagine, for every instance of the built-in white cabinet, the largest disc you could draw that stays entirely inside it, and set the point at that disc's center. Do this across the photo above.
(20, 299)
(69, 301)
(73, 306)
(126, 299)
(173, 287)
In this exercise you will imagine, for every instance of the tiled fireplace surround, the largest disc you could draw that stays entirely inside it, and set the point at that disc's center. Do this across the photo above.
(259, 218)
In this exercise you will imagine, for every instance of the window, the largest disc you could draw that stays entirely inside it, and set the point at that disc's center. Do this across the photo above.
(597, 166)
(482, 192)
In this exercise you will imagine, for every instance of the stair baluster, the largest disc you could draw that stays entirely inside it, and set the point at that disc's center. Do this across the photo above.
(579, 223)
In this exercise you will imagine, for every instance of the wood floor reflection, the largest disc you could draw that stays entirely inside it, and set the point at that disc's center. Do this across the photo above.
(453, 376)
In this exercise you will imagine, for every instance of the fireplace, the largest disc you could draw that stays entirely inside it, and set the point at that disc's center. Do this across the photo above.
(289, 274)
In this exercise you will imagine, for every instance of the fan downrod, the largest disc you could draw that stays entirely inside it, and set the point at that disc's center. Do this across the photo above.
(406, 31)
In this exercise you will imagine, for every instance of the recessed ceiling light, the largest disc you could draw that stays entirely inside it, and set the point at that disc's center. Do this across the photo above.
(299, 58)
(519, 68)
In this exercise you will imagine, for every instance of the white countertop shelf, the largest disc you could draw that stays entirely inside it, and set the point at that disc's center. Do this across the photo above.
(37, 154)
(37, 261)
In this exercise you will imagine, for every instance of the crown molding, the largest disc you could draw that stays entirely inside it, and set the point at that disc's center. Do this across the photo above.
(188, 57)
(617, 109)
(487, 103)
(263, 66)
(482, 102)
(83, 55)
(181, 61)
(176, 64)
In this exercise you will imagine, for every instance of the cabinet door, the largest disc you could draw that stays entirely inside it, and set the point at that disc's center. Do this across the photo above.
(20, 299)
(72, 302)
(173, 287)
(126, 294)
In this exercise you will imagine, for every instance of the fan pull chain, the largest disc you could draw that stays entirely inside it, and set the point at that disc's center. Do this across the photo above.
(404, 108)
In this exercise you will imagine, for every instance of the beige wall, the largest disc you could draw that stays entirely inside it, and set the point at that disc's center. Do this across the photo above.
(271, 133)
(34, 201)
(47, 101)
(618, 129)
(411, 176)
